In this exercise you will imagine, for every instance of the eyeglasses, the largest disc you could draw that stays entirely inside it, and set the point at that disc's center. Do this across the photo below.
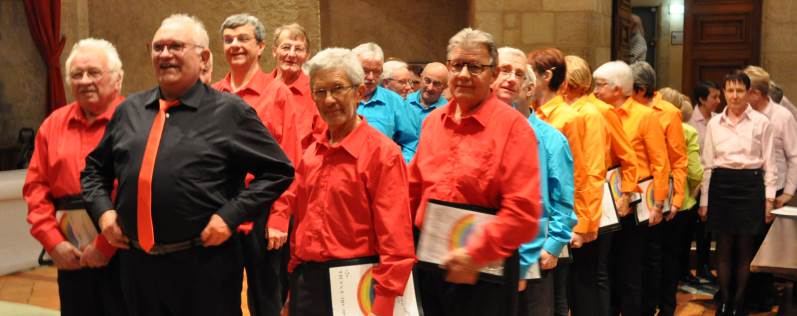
(434, 83)
(174, 48)
(243, 39)
(520, 75)
(475, 69)
(93, 74)
(337, 92)
(405, 82)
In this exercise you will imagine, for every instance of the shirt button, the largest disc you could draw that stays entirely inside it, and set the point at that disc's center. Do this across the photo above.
(167, 115)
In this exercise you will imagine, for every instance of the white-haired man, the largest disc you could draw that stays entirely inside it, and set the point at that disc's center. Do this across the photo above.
(384, 109)
(556, 189)
(478, 151)
(180, 152)
(88, 275)
(397, 77)
(614, 84)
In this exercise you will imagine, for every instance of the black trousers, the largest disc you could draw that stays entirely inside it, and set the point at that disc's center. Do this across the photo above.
(561, 274)
(91, 292)
(652, 266)
(197, 281)
(676, 242)
(310, 291)
(264, 276)
(603, 284)
(440, 298)
(537, 298)
(582, 286)
(628, 249)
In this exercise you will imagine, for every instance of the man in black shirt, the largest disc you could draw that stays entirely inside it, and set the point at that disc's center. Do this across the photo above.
(180, 153)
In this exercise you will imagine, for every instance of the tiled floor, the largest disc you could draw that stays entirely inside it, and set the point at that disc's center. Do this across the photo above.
(39, 287)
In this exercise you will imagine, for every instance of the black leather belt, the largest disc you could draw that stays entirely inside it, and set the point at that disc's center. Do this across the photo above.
(162, 249)
(69, 202)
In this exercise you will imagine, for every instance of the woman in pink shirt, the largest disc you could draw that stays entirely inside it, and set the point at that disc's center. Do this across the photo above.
(738, 187)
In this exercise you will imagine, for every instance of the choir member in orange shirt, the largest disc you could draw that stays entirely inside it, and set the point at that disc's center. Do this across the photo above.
(350, 197)
(291, 49)
(476, 150)
(670, 119)
(604, 129)
(614, 85)
(243, 39)
(88, 277)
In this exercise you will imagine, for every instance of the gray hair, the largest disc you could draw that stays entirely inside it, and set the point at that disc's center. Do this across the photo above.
(391, 66)
(470, 37)
(200, 35)
(337, 58)
(241, 19)
(510, 51)
(294, 31)
(369, 50)
(644, 78)
(617, 74)
(114, 63)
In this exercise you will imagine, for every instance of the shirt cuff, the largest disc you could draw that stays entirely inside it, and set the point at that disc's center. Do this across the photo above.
(278, 222)
(49, 239)
(789, 189)
(553, 247)
(245, 228)
(582, 227)
(383, 305)
(104, 247)
(98, 207)
(770, 190)
(677, 201)
(232, 216)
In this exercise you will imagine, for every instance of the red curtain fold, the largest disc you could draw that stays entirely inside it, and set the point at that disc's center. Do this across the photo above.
(44, 23)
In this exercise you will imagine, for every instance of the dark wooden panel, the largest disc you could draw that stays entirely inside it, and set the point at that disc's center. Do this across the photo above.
(721, 29)
(621, 30)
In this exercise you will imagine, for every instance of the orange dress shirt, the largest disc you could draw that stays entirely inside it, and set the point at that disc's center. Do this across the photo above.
(487, 158)
(350, 200)
(595, 145)
(62, 144)
(620, 150)
(647, 138)
(557, 113)
(670, 118)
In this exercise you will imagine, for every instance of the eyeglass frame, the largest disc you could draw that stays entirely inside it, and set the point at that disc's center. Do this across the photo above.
(171, 48)
(474, 69)
(336, 92)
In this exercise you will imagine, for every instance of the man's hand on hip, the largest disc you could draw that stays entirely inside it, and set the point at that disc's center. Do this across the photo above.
(111, 231)
(216, 232)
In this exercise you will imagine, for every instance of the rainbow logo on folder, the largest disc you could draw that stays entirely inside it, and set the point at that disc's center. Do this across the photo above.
(461, 231)
(365, 292)
(614, 181)
(649, 200)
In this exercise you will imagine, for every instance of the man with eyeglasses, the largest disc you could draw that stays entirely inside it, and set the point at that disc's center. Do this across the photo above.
(243, 38)
(88, 274)
(434, 79)
(476, 151)
(179, 153)
(397, 77)
(383, 108)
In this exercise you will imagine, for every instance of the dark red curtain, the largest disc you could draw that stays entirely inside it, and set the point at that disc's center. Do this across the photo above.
(44, 22)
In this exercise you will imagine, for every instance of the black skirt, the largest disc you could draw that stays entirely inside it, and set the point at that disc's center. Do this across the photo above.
(736, 201)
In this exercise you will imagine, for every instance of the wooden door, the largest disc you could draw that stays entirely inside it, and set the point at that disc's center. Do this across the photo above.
(621, 30)
(719, 37)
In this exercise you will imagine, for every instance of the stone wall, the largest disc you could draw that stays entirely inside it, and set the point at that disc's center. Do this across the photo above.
(577, 27)
(779, 43)
(22, 83)
(132, 28)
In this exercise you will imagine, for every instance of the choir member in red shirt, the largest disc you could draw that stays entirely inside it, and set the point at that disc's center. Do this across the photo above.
(350, 196)
(88, 277)
(477, 151)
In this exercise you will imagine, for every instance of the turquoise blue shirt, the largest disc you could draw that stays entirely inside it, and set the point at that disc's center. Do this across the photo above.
(556, 186)
(420, 113)
(387, 112)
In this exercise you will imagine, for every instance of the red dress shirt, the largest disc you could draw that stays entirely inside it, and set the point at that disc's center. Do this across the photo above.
(350, 200)
(489, 159)
(271, 99)
(64, 140)
(309, 124)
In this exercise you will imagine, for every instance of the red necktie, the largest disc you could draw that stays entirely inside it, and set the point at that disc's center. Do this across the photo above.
(146, 233)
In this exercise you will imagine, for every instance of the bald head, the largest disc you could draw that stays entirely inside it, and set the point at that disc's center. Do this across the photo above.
(434, 79)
